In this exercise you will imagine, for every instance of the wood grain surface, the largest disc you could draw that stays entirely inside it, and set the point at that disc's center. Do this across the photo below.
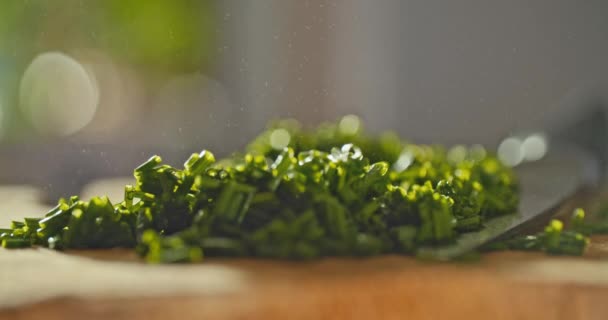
(115, 284)
(504, 285)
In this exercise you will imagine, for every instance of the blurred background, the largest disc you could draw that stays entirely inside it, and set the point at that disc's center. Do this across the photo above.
(89, 89)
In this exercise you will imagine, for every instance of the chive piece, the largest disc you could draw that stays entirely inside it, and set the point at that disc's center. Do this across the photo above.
(469, 223)
(32, 223)
(149, 164)
(405, 237)
(553, 240)
(198, 163)
(182, 254)
(14, 243)
(54, 210)
(17, 224)
(56, 222)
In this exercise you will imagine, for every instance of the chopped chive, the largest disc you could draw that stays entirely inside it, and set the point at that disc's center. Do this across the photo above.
(318, 193)
(17, 224)
(32, 223)
(14, 243)
(149, 164)
(55, 222)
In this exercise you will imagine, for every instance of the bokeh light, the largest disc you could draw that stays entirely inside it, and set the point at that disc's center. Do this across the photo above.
(279, 139)
(457, 154)
(350, 124)
(121, 95)
(404, 161)
(510, 151)
(57, 94)
(477, 152)
(534, 147)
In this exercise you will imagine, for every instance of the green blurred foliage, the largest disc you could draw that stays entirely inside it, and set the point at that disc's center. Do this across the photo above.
(171, 35)
(160, 32)
(159, 38)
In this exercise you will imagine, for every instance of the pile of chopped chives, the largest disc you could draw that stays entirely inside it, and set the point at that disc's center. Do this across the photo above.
(295, 194)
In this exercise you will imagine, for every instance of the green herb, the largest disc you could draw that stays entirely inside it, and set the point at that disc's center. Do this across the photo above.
(598, 225)
(553, 239)
(296, 194)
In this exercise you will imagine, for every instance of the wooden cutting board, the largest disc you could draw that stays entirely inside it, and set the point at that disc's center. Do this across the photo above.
(115, 284)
